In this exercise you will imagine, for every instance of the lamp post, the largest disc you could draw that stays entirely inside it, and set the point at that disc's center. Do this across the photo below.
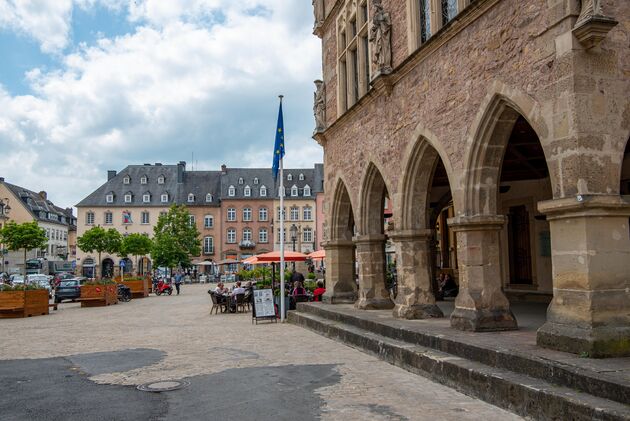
(293, 231)
(4, 212)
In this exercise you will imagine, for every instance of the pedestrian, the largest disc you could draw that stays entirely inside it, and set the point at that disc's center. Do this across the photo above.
(178, 281)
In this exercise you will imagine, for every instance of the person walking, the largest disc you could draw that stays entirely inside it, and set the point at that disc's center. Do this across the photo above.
(178, 281)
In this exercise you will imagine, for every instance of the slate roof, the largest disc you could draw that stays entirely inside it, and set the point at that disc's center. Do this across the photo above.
(312, 177)
(42, 209)
(200, 183)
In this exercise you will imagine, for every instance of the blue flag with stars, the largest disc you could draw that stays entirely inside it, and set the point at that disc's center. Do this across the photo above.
(278, 149)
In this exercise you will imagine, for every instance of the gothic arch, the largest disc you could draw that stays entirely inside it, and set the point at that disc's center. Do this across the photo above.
(342, 214)
(373, 190)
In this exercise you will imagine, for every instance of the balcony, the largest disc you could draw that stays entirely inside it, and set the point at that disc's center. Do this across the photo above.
(246, 245)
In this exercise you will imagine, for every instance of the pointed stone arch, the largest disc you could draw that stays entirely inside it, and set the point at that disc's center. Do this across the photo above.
(374, 189)
(342, 213)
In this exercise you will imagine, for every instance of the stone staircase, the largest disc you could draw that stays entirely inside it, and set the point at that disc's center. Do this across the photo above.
(526, 384)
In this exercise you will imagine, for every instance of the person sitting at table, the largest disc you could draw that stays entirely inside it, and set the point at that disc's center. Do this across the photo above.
(298, 289)
(220, 292)
(319, 291)
(238, 289)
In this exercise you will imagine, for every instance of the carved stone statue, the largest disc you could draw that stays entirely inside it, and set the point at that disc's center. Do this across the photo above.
(319, 106)
(590, 8)
(381, 39)
(318, 11)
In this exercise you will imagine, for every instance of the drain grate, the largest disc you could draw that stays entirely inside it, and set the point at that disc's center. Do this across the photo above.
(163, 386)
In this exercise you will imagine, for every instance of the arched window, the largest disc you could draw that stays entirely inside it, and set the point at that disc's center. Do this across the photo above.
(161, 179)
(231, 235)
(231, 214)
(289, 177)
(263, 236)
(191, 220)
(208, 197)
(191, 198)
(307, 190)
(301, 177)
(294, 191)
(240, 180)
(208, 221)
(110, 197)
(208, 245)
(263, 191)
(247, 234)
(146, 197)
(247, 214)
(247, 191)
(128, 197)
(164, 197)
(262, 214)
(126, 180)
(231, 191)
(144, 179)
(109, 218)
(256, 180)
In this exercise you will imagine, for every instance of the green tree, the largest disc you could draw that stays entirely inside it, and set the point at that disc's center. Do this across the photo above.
(26, 236)
(99, 240)
(175, 240)
(136, 245)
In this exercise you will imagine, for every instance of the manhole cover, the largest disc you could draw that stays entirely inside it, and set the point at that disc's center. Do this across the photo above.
(163, 386)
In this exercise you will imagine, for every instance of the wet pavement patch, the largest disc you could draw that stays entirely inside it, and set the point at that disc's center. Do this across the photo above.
(116, 361)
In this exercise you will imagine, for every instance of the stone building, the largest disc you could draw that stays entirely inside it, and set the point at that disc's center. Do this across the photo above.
(498, 131)
(26, 206)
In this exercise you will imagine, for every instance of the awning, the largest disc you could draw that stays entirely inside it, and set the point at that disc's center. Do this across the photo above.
(274, 256)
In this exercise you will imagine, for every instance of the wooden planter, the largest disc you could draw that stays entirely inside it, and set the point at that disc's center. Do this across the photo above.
(98, 295)
(23, 303)
(139, 288)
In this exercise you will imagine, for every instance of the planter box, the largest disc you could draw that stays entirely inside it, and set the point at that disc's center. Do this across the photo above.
(139, 289)
(98, 295)
(23, 303)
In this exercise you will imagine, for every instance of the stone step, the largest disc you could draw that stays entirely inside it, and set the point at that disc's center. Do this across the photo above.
(524, 395)
(548, 370)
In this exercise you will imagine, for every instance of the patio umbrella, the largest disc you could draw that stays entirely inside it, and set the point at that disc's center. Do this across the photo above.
(274, 256)
(251, 260)
(203, 263)
(318, 255)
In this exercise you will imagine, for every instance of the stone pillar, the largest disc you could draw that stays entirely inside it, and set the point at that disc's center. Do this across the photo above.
(590, 310)
(340, 284)
(415, 299)
(373, 295)
(481, 305)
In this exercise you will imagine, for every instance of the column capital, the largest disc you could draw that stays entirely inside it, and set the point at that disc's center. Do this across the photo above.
(336, 244)
(411, 235)
(477, 223)
(369, 239)
(585, 205)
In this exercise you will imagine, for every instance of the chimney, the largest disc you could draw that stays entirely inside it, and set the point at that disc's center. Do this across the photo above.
(181, 168)
(111, 174)
(43, 195)
(1, 179)
(224, 169)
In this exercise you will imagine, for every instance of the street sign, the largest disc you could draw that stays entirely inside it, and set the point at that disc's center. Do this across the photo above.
(122, 263)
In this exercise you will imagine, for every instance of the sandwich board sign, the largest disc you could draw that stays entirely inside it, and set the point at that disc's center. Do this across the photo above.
(263, 305)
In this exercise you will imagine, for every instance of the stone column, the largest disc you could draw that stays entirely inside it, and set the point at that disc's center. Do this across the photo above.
(590, 243)
(481, 305)
(415, 299)
(340, 284)
(373, 295)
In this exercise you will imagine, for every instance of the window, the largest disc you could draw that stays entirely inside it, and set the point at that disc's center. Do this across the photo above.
(295, 213)
(262, 214)
(449, 10)
(289, 177)
(144, 217)
(231, 235)
(146, 198)
(89, 218)
(208, 245)
(231, 191)
(262, 235)
(144, 179)
(128, 198)
(301, 177)
(126, 180)
(307, 235)
(164, 198)
(160, 179)
(231, 214)
(256, 180)
(263, 191)
(191, 220)
(307, 190)
(353, 58)
(307, 213)
(109, 198)
(294, 191)
(240, 180)
(47, 232)
(247, 234)
(247, 214)
(247, 192)
(208, 197)
(191, 198)
(284, 213)
(109, 218)
(208, 221)
(285, 236)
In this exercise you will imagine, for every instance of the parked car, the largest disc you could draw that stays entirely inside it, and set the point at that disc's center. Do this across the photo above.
(16, 279)
(41, 280)
(69, 289)
(62, 276)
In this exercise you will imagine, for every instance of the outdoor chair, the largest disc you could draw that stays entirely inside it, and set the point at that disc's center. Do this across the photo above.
(216, 305)
(240, 302)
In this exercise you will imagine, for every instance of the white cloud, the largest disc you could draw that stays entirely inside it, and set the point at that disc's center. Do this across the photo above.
(180, 83)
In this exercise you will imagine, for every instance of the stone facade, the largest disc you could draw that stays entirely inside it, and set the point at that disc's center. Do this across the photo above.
(458, 99)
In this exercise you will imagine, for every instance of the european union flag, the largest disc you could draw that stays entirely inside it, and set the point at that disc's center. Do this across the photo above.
(278, 149)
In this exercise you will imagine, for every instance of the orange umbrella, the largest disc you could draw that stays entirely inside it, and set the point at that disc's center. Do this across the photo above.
(318, 255)
(274, 256)
(251, 260)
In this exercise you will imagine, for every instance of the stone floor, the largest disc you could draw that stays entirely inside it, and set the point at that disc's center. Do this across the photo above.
(236, 370)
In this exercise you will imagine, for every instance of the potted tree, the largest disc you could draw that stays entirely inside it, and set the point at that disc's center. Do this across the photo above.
(100, 292)
(136, 245)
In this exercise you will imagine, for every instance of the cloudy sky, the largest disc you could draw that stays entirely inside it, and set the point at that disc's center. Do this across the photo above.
(92, 85)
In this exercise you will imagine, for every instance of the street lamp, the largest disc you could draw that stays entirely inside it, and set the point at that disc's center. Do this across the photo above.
(293, 231)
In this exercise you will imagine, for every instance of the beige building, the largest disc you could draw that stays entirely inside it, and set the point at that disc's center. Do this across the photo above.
(499, 131)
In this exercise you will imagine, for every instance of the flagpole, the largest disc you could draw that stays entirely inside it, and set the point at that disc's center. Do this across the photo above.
(282, 298)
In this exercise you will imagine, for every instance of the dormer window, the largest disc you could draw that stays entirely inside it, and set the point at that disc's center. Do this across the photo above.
(126, 180)
(146, 198)
(289, 177)
(307, 190)
(160, 179)
(109, 198)
(294, 191)
(208, 197)
(164, 197)
(191, 198)
(263, 191)
(231, 191)
(247, 192)
(301, 177)
(256, 180)
(128, 197)
(144, 179)
(240, 180)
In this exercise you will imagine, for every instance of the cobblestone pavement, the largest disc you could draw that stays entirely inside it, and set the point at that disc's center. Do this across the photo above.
(183, 341)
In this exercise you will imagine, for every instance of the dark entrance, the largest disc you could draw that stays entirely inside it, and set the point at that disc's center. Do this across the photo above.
(519, 245)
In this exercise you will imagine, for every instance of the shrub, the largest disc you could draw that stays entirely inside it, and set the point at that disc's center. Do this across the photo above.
(311, 275)
(310, 285)
(20, 287)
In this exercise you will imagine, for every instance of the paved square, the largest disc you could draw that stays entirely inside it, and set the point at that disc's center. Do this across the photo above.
(80, 363)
